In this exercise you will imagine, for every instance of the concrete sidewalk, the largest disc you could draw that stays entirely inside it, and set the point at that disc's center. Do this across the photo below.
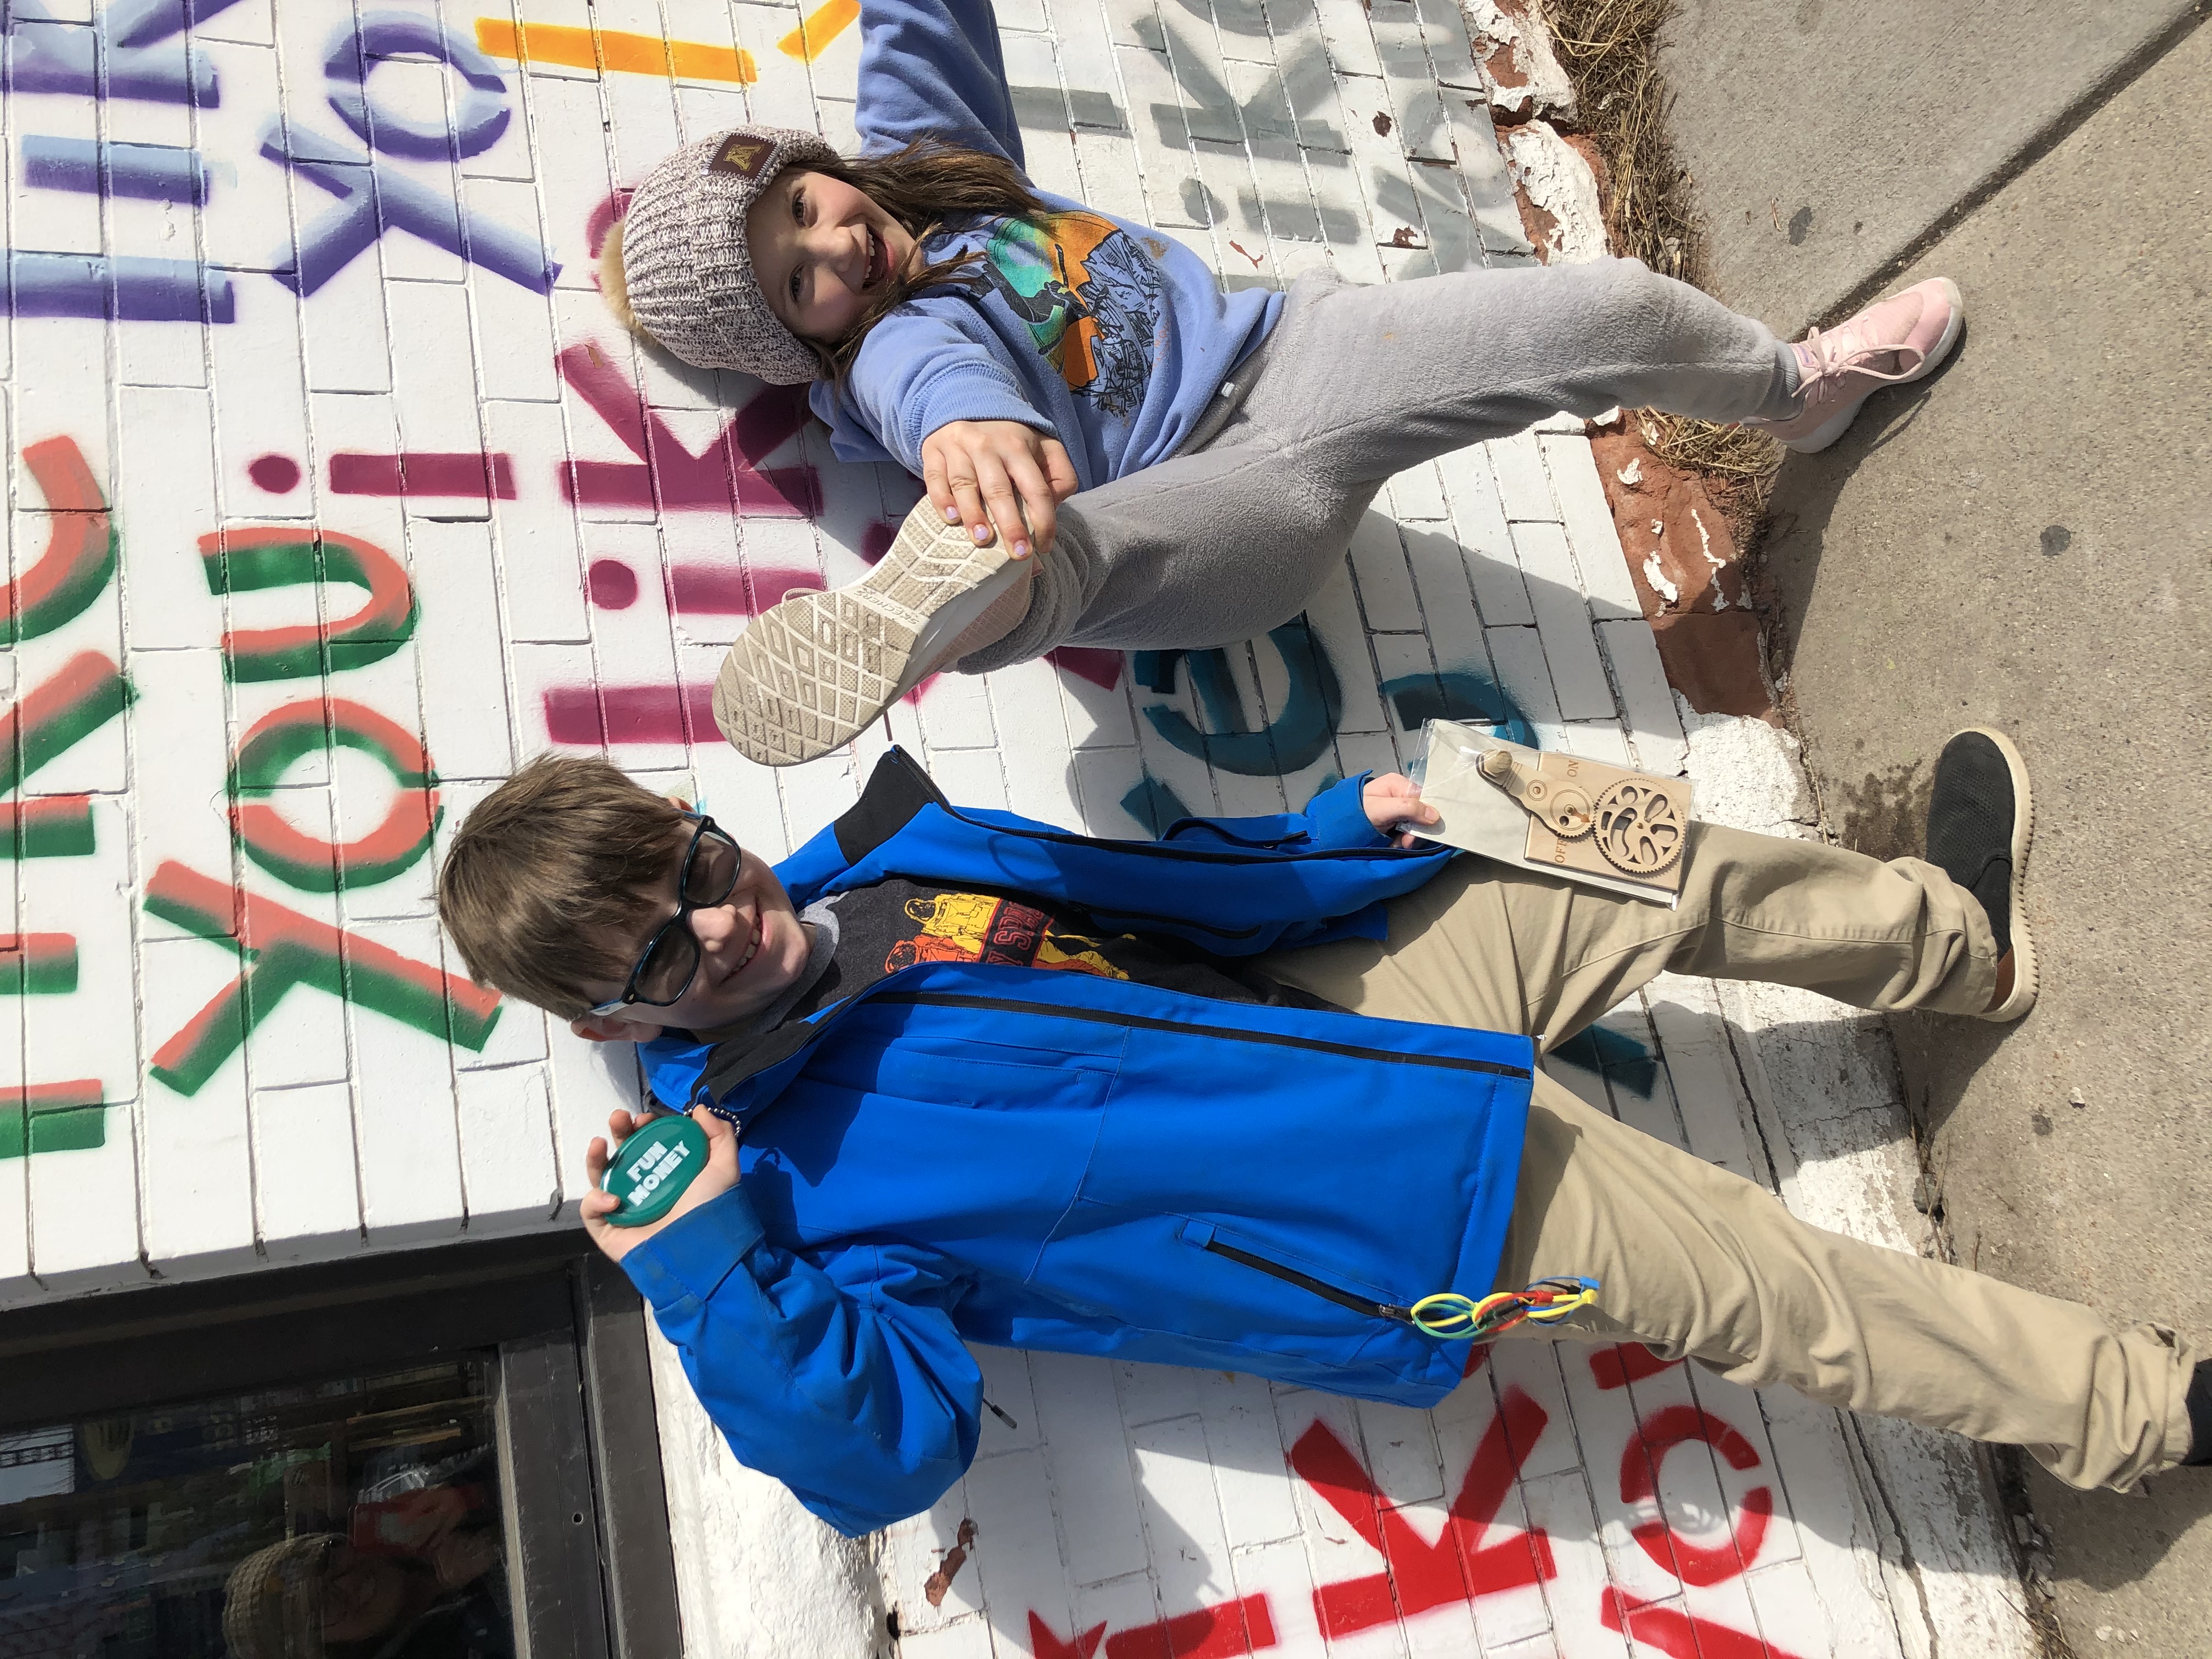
(2022, 541)
(1829, 141)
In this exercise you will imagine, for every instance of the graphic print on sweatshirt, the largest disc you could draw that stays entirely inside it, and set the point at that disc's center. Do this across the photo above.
(897, 923)
(1090, 298)
(982, 927)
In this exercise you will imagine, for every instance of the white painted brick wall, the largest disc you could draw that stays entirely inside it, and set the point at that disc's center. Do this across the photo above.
(1125, 1501)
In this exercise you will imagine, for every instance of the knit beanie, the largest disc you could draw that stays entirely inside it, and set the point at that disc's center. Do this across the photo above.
(686, 264)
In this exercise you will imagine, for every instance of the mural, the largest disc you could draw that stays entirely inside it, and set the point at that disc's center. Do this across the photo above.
(1566, 1500)
(337, 493)
(430, 150)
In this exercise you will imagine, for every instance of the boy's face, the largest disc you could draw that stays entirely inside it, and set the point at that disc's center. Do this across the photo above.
(822, 252)
(752, 947)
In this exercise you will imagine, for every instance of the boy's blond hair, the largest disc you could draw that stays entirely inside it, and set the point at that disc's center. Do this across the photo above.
(555, 878)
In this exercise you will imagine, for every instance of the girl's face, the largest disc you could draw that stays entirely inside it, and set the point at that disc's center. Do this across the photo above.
(823, 251)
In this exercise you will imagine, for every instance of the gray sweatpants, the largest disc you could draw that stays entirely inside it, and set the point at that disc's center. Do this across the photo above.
(1231, 535)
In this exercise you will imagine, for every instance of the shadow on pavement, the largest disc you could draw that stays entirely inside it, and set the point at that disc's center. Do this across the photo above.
(2131, 1534)
(1787, 562)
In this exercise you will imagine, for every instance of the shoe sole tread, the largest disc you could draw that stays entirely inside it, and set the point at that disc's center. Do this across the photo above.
(811, 673)
(2026, 979)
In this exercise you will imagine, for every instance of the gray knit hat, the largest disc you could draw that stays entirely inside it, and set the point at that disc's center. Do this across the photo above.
(685, 261)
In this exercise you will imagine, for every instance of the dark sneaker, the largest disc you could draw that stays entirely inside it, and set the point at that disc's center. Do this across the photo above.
(2199, 1399)
(1979, 826)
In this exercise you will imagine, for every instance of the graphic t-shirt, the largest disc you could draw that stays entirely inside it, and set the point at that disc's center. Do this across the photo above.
(1105, 333)
(1087, 292)
(896, 924)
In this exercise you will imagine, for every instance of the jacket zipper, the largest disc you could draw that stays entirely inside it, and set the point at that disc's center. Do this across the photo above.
(1307, 1282)
(1273, 1039)
(786, 1040)
(1202, 855)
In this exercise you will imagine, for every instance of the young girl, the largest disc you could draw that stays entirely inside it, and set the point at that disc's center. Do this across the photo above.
(1186, 465)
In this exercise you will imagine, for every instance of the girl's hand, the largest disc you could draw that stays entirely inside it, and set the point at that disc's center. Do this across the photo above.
(711, 1183)
(1393, 803)
(989, 474)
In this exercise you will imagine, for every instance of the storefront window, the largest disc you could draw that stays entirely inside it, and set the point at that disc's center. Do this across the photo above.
(349, 1519)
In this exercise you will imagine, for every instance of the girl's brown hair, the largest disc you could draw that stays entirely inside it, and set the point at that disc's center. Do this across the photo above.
(925, 186)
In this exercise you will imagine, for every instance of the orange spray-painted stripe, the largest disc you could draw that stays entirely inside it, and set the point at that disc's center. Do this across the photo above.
(614, 50)
(813, 37)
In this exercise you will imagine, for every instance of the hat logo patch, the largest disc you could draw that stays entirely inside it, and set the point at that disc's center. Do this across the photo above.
(746, 156)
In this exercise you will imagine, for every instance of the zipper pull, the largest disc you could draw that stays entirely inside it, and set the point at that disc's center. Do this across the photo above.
(1001, 1416)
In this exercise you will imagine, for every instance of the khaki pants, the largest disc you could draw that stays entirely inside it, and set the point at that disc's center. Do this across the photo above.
(1698, 1263)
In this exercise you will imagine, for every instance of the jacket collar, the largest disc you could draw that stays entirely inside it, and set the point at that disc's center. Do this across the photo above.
(896, 790)
(684, 1064)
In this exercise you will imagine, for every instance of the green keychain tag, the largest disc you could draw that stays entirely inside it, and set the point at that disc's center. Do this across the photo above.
(653, 1167)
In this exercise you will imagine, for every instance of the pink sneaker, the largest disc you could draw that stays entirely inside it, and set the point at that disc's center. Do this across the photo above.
(1890, 342)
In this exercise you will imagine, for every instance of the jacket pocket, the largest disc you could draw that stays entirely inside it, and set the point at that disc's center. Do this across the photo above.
(1215, 1241)
(981, 1074)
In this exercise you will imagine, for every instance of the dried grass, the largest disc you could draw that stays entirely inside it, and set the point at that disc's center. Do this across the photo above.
(1607, 48)
(1734, 453)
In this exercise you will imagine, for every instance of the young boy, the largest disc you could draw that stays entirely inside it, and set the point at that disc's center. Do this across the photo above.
(1241, 1098)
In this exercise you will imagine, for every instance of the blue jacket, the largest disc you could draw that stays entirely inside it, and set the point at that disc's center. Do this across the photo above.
(1042, 1159)
(1103, 332)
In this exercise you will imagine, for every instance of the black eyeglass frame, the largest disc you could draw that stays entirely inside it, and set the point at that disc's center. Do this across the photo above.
(681, 918)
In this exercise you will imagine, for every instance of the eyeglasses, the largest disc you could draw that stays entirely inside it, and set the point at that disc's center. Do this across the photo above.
(670, 961)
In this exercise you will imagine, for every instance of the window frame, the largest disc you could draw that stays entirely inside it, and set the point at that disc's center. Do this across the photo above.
(590, 1559)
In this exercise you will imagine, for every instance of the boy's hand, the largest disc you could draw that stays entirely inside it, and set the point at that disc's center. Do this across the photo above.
(990, 473)
(711, 1183)
(1393, 803)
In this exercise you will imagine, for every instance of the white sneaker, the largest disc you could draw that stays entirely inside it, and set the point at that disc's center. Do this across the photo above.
(812, 672)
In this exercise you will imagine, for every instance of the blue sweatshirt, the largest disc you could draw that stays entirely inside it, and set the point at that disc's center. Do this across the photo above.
(1039, 1159)
(1099, 331)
